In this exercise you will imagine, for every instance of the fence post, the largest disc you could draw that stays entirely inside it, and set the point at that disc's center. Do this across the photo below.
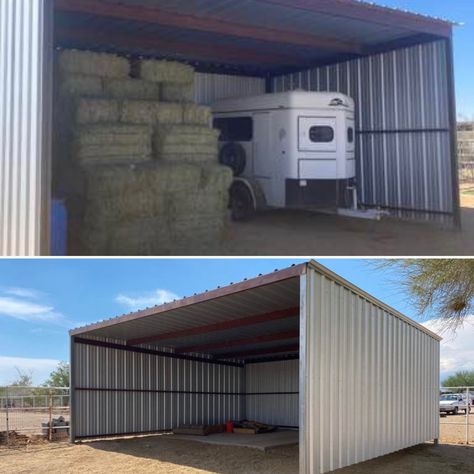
(50, 437)
(6, 414)
(468, 409)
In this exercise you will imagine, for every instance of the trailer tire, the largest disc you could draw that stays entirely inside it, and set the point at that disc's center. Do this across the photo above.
(233, 155)
(242, 203)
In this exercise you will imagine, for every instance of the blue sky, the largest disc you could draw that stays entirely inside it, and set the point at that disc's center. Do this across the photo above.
(41, 299)
(461, 11)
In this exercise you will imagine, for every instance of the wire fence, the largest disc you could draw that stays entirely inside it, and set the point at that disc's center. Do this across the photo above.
(28, 412)
(457, 414)
(466, 172)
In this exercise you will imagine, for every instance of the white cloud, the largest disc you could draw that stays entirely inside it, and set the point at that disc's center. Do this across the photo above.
(22, 292)
(39, 368)
(457, 349)
(147, 299)
(28, 311)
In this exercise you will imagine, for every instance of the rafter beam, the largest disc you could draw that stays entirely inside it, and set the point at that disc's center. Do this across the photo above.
(205, 24)
(90, 36)
(240, 342)
(257, 352)
(221, 326)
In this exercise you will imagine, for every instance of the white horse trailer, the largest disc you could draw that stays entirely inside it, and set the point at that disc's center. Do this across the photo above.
(288, 150)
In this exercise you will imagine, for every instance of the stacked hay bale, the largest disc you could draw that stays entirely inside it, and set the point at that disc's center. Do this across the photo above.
(145, 163)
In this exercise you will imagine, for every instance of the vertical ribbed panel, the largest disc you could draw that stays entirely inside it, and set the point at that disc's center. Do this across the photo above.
(25, 85)
(403, 145)
(133, 404)
(211, 87)
(272, 392)
(371, 379)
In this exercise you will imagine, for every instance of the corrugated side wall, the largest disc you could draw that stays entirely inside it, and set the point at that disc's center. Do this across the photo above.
(211, 87)
(25, 93)
(371, 379)
(402, 113)
(126, 392)
(272, 392)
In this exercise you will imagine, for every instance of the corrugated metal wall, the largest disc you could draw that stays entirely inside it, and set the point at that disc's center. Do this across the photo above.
(212, 87)
(272, 392)
(370, 379)
(25, 107)
(117, 391)
(403, 118)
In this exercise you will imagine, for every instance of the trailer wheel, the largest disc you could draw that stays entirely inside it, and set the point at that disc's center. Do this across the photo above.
(233, 155)
(241, 202)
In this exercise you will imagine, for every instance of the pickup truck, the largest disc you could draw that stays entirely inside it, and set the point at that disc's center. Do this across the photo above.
(455, 402)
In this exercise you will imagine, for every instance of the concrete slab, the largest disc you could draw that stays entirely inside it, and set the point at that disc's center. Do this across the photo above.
(259, 441)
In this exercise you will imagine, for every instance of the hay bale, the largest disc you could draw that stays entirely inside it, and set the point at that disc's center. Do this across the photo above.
(131, 89)
(169, 113)
(177, 92)
(186, 143)
(89, 111)
(166, 71)
(100, 142)
(154, 209)
(151, 113)
(196, 114)
(93, 64)
(79, 85)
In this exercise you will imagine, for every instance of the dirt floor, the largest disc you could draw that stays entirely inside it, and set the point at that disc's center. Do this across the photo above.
(162, 454)
(299, 233)
(453, 429)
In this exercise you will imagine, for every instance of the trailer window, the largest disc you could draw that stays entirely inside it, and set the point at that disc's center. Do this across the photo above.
(350, 135)
(319, 134)
(235, 129)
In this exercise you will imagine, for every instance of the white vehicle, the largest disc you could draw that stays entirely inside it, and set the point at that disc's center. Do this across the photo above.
(455, 402)
(288, 150)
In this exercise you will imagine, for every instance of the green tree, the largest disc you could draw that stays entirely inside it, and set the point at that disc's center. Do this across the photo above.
(460, 379)
(442, 288)
(59, 377)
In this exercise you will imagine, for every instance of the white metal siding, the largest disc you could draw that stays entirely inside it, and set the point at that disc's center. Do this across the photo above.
(272, 392)
(25, 99)
(371, 379)
(117, 392)
(212, 87)
(403, 118)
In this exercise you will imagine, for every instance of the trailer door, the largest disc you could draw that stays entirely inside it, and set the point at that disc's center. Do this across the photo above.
(262, 152)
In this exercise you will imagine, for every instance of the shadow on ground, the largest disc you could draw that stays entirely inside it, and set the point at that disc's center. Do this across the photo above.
(426, 458)
(305, 233)
(206, 458)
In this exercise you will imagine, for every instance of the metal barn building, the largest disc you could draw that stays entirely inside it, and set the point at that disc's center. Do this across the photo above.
(300, 348)
(398, 67)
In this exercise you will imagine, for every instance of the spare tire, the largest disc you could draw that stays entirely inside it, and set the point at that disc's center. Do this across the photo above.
(242, 204)
(233, 155)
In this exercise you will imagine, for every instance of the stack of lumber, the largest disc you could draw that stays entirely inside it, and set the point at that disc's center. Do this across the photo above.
(136, 158)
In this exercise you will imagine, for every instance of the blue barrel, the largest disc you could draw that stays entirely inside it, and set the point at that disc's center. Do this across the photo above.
(58, 228)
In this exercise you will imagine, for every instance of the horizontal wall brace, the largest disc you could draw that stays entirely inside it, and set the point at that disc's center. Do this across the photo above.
(396, 132)
(142, 350)
(180, 392)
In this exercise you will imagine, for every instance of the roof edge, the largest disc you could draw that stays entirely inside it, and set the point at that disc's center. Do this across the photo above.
(318, 267)
(247, 284)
